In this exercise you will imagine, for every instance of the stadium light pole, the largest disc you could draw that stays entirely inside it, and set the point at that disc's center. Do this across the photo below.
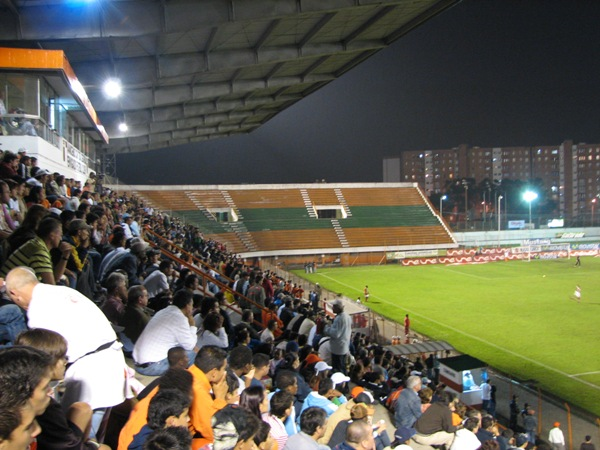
(593, 204)
(529, 196)
(499, 212)
(442, 198)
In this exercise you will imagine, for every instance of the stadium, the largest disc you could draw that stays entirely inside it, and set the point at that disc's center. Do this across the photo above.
(467, 269)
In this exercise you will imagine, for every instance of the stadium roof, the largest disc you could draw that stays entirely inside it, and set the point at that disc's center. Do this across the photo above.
(419, 347)
(197, 70)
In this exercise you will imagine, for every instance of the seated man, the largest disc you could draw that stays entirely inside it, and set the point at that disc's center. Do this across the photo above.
(322, 397)
(312, 427)
(169, 328)
(36, 253)
(158, 281)
(359, 436)
(65, 429)
(116, 296)
(435, 427)
(96, 374)
(174, 378)
(18, 427)
(135, 316)
(168, 408)
(408, 406)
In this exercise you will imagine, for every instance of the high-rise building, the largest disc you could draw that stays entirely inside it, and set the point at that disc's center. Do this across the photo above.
(570, 171)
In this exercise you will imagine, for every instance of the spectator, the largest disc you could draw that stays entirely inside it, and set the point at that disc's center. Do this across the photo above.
(359, 436)
(213, 332)
(408, 406)
(530, 424)
(260, 361)
(97, 367)
(172, 438)
(36, 253)
(169, 328)
(28, 228)
(255, 401)
(435, 427)
(208, 371)
(268, 334)
(312, 427)
(486, 430)
(233, 428)
(587, 444)
(174, 378)
(114, 305)
(136, 315)
(168, 408)
(556, 437)
(282, 405)
(340, 332)
(158, 281)
(240, 362)
(60, 428)
(129, 261)
(466, 438)
(322, 397)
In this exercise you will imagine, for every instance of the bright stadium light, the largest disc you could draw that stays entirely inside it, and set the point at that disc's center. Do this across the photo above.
(112, 88)
(123, 127)
(442, 198)
(529, 196)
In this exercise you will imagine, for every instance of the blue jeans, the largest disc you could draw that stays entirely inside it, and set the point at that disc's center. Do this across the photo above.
(12, 322)
(160, 367)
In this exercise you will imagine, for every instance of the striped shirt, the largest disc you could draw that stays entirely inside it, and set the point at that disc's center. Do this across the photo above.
(32, 253)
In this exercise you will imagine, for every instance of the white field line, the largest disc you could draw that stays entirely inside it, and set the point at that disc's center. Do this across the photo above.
(584, 373)
(491, 344)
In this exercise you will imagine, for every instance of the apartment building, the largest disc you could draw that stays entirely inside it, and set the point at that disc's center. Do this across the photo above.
(571, 171)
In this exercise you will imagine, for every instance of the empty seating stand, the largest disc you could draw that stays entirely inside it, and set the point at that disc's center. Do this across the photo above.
(275, 219)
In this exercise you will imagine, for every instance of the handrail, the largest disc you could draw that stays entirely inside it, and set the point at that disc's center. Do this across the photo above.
(205, 277)
(183, 251)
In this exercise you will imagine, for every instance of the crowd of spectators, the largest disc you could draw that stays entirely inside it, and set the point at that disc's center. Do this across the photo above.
(99, 286)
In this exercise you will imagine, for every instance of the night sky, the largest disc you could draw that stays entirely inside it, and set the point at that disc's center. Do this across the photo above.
(484, 73)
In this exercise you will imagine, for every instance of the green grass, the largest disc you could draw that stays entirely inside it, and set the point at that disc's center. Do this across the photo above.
(515, 316)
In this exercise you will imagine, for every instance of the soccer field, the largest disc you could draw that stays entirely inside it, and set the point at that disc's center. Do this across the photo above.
(516, 316)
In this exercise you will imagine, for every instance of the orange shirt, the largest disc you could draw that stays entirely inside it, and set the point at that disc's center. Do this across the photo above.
(202, 409)
(137, 419)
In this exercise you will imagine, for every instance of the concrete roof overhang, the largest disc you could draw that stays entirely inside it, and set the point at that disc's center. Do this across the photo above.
(198, 70)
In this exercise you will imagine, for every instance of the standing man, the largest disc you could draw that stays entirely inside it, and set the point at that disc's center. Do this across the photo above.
(339, 331)
(366, 290)
(486, 395)
(530, 424)
(556, 437)
(406, 326)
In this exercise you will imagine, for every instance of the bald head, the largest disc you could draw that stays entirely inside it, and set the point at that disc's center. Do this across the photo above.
(19, 284)
(359, 435)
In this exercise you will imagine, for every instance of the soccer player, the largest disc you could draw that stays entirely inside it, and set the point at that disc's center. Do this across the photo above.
(577, 294)
(366, 290)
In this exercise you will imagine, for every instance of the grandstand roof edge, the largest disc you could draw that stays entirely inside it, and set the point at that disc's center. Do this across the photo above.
(241, 187)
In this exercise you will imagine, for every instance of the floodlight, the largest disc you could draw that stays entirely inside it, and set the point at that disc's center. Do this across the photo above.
(112, 88)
